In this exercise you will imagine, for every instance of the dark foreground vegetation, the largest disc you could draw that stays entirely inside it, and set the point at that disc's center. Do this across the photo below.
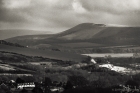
(74, 84)
(66, 76)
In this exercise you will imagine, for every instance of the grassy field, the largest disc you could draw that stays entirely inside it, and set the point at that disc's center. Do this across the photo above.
(80, 45)
(43, 53)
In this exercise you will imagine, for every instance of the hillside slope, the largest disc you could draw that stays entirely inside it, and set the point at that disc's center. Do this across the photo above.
(81, 31)
(119, 36)
(98, 34)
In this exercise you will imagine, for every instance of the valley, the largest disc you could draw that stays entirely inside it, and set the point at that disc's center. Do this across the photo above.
(87, 55)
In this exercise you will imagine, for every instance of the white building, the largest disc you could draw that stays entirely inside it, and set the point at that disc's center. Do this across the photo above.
(25, 85)
(93, 61)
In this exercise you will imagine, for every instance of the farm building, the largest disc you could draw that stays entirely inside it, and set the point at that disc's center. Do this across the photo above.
(25, 85)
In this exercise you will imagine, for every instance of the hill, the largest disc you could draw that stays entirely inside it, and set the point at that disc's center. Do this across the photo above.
(88, 32)
(102, 34)
(81, 31)
(5, 34)
(83, 38)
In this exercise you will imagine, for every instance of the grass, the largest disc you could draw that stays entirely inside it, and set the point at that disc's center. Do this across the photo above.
(43, 53)
(79, 45)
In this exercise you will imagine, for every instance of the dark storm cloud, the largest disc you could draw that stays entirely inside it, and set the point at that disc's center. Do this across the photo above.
(63, 14)
(10, 15)
(2, 10)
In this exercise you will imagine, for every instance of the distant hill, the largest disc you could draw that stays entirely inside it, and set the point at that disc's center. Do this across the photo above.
(81, 32)
(28, 40)
(102, 34)
(5, 34)
(86, 33)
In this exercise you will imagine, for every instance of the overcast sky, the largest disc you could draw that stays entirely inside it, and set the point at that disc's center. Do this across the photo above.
(59, 15)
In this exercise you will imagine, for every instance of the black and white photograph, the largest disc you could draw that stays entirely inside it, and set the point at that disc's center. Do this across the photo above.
(69, 46)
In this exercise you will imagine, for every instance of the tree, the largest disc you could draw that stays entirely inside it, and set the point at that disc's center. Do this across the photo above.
(48, 81)
(2, 91)
(68, 85)
(29, 79)
(5, 79)
(87, 59)
(23, 91)
(9, 91)
(37, 90)
(19, 80)
(132, 83)
(78, 80)
(0, 80)
(4, 87)
(47, 84)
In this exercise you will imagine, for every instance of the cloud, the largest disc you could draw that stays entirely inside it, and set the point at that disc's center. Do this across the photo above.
(16, 3)
(112, 6)
(58, 15)
(10, 15)
(78, 7)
